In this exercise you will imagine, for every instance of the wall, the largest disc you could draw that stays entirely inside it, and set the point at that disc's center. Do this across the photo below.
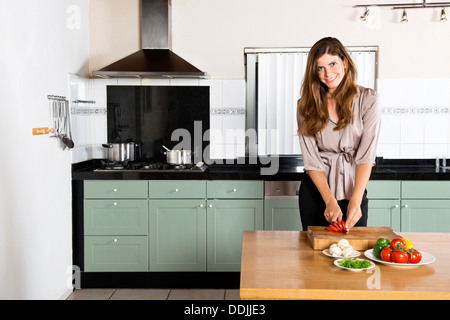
(42, 41)
(413, 73)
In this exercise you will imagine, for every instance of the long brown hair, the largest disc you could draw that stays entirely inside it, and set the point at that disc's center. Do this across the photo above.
(312, 111)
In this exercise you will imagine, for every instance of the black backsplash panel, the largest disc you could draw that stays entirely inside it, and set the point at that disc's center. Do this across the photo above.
(150, 114)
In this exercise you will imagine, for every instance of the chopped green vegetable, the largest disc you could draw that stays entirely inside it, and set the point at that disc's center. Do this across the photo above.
(354, 263)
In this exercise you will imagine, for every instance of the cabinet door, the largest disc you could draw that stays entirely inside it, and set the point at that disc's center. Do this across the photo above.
(115, 253)
(177, 189)
(383, 189)
(115, 189)
(116, 217)
(425, 216)
(235, 189)
(177, 235)
(282, 214)
(227, 220)
(384, 213)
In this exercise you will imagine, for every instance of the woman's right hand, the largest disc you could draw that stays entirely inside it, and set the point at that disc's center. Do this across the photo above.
(333, 212)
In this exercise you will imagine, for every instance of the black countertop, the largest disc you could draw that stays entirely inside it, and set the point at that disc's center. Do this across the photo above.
(277, 168)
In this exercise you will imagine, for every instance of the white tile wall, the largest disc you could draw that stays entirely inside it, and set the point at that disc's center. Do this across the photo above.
(89, 122)
(415, 116)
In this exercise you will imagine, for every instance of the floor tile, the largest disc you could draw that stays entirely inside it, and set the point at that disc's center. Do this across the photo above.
(196, 294)
(232, 294)
(140, 294)
(91, 294)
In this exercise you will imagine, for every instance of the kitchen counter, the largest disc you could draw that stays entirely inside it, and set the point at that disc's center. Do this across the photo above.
(282, 265)
(289, 169)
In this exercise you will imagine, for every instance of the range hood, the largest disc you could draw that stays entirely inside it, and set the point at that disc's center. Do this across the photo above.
(155, 59)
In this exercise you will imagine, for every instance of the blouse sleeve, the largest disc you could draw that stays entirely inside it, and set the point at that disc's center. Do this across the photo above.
(371, 119)
(310, 153)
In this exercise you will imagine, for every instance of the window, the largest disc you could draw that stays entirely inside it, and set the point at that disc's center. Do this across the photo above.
(274, 78)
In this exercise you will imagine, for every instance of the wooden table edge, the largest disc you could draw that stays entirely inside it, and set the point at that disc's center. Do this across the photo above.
(323, 294)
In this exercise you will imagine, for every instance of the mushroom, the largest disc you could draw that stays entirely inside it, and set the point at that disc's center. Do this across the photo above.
(342, 243)
(347, 251)
(335, 251)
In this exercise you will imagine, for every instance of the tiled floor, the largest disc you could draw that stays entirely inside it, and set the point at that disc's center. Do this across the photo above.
(155, 294)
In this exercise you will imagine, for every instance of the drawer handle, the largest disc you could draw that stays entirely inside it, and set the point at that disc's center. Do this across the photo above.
(395, 207)
(210, 205)
(405, 206)
(201, 205)
(115, 240)
(176, 190)
(115, 204)
(234, 190)
(115, 190)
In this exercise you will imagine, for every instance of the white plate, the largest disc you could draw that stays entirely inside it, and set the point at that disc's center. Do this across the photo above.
(426, 259)
(336, 263)
(354, 254)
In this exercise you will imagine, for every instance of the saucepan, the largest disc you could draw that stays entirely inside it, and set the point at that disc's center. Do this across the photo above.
(178, 157)
(124, 151)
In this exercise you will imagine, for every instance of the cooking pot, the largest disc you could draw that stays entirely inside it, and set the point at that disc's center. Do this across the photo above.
(177, 157)
(124, 151)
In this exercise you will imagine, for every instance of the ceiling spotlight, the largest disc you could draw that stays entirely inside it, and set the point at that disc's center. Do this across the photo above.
(404, 16)
(364, 16)
(443, 15)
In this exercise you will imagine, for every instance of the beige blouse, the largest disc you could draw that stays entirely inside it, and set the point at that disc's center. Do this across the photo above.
(337, 153)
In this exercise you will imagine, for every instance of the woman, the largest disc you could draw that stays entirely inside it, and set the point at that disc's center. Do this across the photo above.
(338, 127)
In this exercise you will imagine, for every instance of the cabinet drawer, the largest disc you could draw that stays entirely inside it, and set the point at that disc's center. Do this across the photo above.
(116, 189)
(115, 253)
(116, 217)
(379, 189)
(426, 189)
(177, 189)
(235, 189)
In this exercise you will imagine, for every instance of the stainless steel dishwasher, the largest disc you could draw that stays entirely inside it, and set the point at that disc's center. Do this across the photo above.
(281, 205)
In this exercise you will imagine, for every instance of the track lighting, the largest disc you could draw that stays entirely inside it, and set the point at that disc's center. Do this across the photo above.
(443, 15)
(364, 16)
(404, 6)
(404, 16)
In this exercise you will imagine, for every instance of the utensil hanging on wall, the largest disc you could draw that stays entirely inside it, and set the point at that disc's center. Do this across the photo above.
(60, 115)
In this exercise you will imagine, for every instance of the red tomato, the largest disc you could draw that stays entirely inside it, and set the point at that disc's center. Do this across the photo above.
(399, 242)
(399, 256)
(414, 257)
(386, 254)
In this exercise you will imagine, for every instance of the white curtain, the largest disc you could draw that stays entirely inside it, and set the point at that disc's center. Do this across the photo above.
(279, 79)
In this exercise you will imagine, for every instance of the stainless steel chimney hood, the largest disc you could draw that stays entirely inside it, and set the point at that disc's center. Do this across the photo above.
(155, 59)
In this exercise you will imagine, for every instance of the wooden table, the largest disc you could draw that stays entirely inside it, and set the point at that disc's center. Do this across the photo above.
(282, 265)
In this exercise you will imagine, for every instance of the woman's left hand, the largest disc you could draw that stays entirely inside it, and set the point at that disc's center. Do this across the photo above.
(353, 213)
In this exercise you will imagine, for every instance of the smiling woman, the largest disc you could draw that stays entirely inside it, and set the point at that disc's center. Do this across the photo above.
(338, 127)
(274, 77)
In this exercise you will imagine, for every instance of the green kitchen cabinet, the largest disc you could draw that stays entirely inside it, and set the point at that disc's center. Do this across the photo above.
(115, 189)
(177, 210)
(177, 235)
(425, 215)
(115, 222)
(226, 222)
(282, 214)
(384, 204)
(233, 206)
(425, 206)
(116, 217)
(384, 213)
(115, 253)
(410, 206)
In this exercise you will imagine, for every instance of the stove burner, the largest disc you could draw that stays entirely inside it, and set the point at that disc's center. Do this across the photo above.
(143, 166)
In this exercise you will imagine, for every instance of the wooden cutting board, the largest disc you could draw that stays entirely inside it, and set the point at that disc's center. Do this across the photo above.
(360, 238)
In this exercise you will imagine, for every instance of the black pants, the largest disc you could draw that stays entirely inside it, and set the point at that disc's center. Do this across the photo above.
(312, 206)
